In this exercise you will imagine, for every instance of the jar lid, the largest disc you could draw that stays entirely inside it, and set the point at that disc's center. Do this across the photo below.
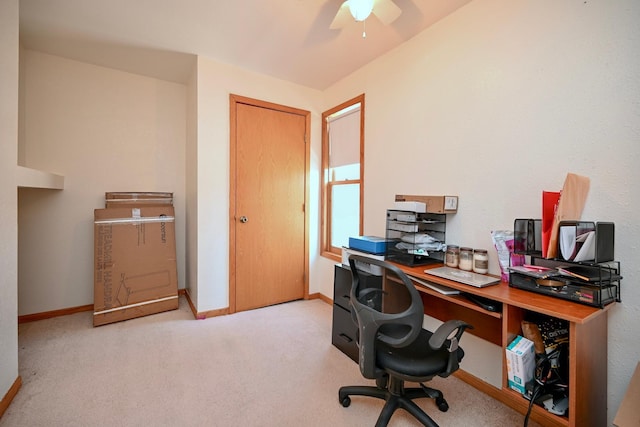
(466, 249)
(480, 251)
(452, 247)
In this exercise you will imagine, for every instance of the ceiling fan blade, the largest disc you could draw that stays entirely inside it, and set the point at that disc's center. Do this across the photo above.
(386, 11)
(342, 18)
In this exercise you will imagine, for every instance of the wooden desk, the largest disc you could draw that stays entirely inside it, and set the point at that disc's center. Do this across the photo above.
(587, 343)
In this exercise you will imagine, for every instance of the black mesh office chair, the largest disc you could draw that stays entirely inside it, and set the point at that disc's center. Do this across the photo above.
(393, 346)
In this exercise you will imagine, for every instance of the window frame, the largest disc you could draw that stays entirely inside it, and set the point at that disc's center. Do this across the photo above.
(326, 249)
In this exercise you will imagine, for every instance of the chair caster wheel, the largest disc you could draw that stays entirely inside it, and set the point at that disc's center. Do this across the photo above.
(442, 404)
(346, 402)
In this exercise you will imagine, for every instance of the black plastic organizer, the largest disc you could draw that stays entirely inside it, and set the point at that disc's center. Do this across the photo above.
(405, 231)
(587, 282)
(602, 288)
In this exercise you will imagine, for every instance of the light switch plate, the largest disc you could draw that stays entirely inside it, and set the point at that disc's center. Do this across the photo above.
(450, 203)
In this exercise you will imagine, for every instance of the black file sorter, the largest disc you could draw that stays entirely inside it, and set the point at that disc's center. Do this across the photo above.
(594, 282)
(409, 231)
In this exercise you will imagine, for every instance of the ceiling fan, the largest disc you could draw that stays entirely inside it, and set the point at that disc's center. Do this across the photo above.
(359, 10)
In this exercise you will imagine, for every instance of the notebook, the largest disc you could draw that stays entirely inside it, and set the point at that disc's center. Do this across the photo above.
(465, 277)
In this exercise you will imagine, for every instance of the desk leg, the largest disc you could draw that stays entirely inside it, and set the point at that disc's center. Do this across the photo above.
(588, 373)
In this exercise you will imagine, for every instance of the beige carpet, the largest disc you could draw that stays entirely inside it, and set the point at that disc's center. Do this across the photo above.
(268, 367)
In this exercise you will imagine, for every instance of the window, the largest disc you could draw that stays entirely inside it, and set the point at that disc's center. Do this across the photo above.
(342, 175)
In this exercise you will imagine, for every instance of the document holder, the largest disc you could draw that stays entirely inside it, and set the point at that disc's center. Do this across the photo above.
(527, 236)
(586, 241)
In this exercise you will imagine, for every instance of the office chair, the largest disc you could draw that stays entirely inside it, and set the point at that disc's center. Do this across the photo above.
(393, 346)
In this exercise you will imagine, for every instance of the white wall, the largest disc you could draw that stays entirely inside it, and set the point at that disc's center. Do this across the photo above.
(108, 130)
(495, 104)
(191, 181)
(8, 197)
(215, 83)
(104, 130)
(499, 102)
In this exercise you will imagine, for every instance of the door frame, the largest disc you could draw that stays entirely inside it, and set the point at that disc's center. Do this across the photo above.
(233, 101)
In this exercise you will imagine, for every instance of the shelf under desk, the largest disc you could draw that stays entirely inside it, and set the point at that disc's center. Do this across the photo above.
(587, 342)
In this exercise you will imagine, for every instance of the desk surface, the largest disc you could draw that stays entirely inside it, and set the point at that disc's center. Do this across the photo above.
(502, 292)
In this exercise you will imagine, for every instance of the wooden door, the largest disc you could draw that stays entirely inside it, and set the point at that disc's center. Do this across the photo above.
(268, 244)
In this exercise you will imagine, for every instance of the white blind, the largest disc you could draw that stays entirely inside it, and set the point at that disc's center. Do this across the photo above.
(344, 139)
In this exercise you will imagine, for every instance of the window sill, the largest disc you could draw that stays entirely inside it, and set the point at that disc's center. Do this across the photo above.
(332, 256)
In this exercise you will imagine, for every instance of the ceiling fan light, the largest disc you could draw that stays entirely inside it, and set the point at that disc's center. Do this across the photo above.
(360, 9)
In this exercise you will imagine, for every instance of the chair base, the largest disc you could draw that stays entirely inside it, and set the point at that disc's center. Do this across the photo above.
(396, 396)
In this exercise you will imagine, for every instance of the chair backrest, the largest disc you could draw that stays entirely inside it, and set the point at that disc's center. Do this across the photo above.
(397, 329)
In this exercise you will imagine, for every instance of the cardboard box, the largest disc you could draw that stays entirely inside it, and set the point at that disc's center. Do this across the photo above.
(132, 198)
(628, 414)
(134, 263)
(521, 363)
(435, 204)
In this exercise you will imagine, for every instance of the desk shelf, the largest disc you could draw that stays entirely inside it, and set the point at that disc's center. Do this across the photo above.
(459, 300)
(587, 343)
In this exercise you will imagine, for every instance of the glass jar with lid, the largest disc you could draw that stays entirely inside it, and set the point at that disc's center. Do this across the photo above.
(452, 256)
(480, 261)
(465, 259)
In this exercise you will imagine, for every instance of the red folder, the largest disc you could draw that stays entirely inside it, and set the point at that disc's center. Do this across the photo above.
(549, 205)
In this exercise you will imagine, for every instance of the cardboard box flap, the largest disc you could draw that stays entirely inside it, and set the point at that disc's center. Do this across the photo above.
(117, 199)
(132, 195)
(134, 212)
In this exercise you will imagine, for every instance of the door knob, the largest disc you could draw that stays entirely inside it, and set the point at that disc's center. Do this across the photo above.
(243, 219)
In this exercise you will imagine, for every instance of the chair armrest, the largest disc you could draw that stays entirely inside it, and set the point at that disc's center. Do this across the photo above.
(443, 334)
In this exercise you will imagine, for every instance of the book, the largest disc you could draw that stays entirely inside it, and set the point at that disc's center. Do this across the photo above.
(534, 271)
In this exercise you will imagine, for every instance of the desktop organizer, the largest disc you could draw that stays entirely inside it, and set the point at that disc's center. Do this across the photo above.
(601, 285)
(407, 230)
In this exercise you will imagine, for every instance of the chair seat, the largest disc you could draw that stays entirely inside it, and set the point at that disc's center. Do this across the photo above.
(415, 362)
(407, 356)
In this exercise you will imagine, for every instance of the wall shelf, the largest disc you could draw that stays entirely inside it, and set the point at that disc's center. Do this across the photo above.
(34, 178)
